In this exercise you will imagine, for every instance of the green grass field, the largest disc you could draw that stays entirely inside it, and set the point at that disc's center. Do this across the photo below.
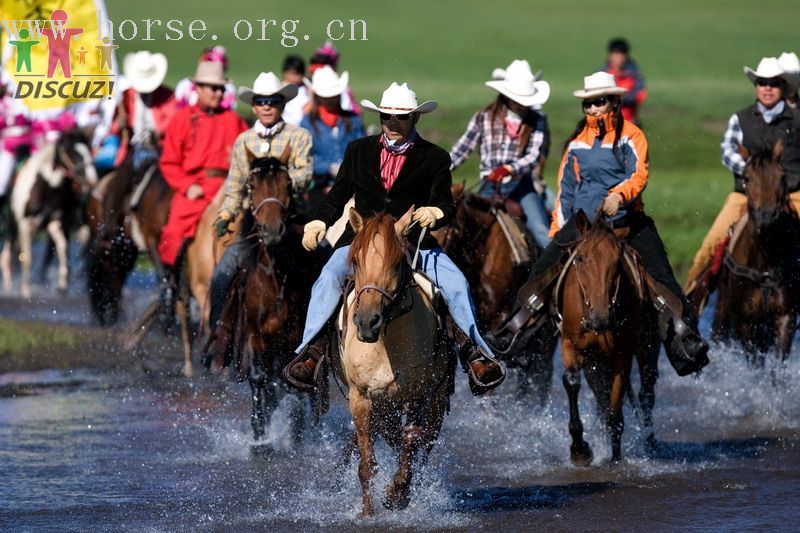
(691, 52)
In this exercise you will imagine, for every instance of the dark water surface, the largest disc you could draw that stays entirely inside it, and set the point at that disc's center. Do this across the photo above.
(152, 451)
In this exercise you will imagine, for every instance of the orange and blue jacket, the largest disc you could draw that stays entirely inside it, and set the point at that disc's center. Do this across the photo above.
(590, 170)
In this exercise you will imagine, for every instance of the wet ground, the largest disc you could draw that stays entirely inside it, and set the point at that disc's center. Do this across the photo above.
(122, 443)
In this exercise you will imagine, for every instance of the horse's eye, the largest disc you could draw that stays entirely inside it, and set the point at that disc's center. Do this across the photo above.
(579, 259)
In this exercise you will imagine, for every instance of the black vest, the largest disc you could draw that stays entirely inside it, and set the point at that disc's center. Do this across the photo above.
(757, 135)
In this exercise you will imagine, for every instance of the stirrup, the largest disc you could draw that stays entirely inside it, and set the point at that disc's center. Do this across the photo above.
(301, 358)
(476, 386)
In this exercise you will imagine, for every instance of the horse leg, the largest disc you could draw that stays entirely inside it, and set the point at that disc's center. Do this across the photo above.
(786, 325)
(182, 310)
(56, 232)
(5, 265)
(397, 492)
(580, 452)
(615, 423)
(25, 255)
(257, 419)
(647, 359)
(361, 410)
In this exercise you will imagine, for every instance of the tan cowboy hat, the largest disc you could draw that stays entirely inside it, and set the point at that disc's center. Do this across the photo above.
(399, 99)
(145, 70)
(599, 84)
(210, 73)
(326, 82)
(791, 65)
(520, 84)
(768, 67)
(267, 84)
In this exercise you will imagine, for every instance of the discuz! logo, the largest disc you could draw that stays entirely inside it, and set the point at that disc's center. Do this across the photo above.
(79, 80)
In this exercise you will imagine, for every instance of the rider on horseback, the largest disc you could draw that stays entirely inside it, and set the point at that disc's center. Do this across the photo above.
(513, 139)
(269, 135)
(756, 127)
(391, 172)
(605, 167)
(194, 162)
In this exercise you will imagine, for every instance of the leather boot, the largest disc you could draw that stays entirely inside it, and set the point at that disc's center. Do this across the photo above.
(485, 372)
(302, 371)
(686, 349)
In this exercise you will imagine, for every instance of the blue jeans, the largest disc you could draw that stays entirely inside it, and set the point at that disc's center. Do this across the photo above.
(327, 293)
(537, 218)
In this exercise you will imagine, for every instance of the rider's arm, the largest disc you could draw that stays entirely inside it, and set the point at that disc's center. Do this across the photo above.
(733, 137)
(636, 166)
(302, 163)
(341, 191)
(468, 141)
(568, 174)
(236, 181)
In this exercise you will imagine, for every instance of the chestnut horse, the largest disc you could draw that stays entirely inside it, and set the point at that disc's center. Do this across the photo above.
(758, 283)
(271, 294)
(398, 373)
(476, 243)
(606, 321)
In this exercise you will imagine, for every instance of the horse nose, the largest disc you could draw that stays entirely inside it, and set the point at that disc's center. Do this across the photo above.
(369, 326)
(596, 322)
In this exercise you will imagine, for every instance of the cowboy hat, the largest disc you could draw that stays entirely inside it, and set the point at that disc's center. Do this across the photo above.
(210, 73)
(326, 83)
(267, 84)
(145, 70)
(791, 65)
(768, 67)
(519, 84)
(599, 84)
(399, 99)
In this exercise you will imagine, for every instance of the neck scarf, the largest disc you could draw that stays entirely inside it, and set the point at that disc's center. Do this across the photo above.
(393, 156)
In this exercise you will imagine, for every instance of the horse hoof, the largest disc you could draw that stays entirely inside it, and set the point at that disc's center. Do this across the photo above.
(62, 291)
(581, 455)
(187, 371)
(395, 501)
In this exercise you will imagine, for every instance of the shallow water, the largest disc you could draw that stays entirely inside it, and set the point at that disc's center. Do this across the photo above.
(152, 451)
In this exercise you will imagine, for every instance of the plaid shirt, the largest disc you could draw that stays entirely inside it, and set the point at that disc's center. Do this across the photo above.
(497, 146)
(731, 158)
(300, 162)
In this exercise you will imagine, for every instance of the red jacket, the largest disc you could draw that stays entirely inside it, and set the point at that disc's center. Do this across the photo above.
(163, 107)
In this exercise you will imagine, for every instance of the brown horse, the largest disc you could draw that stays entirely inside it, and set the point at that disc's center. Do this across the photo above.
(606, 321)
(475, 242)
(758, 283)
(271, 293)
(399, 371)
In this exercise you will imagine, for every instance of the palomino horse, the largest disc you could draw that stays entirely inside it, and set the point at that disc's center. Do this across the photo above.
(758, 283)
(271, 294)
(48, 193)
(398, 372)
(606, 321)
(475, 242)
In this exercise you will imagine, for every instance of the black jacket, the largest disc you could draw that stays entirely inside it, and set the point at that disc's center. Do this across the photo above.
(424, 180)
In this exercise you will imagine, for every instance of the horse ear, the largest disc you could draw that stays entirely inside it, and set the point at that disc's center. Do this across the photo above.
(582, 222)
(457, 190)
(287, 152)
(777, 151)
(356, 220)
(402, 225)
(744, 152)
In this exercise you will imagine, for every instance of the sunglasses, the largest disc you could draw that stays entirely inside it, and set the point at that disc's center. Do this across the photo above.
(768, 82)
(600, 101)
(272, 101)
(387, 116)
(215, 88)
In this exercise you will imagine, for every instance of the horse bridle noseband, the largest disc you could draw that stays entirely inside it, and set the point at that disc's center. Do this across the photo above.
(585, 297)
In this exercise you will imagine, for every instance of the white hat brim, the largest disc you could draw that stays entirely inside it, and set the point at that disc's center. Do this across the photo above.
(605, 91)
(287, 90)
(329, 92)
(791, 79)
(539, 97)
(146, 84)
(424, 107)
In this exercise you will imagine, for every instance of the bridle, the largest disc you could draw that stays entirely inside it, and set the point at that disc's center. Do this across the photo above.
(587, 305)
(254, 209)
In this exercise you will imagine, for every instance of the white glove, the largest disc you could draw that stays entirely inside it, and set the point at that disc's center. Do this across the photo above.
(313, 233)
(427, 216)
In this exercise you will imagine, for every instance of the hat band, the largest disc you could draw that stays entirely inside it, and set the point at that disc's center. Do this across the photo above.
(397, 108)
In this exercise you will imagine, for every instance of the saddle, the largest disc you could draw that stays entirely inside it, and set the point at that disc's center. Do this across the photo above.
(509, 216)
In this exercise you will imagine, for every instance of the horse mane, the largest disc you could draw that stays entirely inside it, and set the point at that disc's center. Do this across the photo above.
(381, 224)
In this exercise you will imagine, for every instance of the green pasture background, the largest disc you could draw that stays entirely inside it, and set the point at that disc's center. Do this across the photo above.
(691, 53)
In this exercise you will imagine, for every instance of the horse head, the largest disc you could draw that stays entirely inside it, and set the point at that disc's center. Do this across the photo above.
(597, 265)
(75, 157)
(765, 186)
(270, 191)
(378, 257)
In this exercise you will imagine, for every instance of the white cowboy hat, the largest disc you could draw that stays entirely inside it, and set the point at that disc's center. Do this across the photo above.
(210, 73)
(791, 65)
(599, 84)
(267, 84)
(768, 67)
(326, 83)
(519, 84)
(145, 70)
(399, 99)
